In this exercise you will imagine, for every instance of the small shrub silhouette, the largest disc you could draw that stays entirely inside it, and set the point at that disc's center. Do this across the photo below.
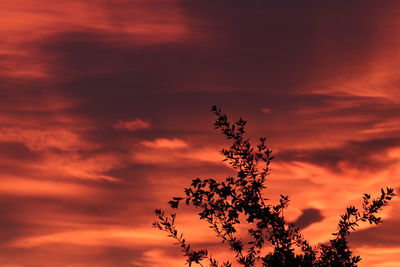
(221, 203)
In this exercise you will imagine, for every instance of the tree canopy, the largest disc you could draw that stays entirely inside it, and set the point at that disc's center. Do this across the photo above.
(240, 199)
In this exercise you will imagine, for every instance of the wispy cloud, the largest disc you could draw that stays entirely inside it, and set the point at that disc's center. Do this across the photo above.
(44, 139)
(165, 143)
(132, 125)
(76, 166)
(93, 237)
(26, 187)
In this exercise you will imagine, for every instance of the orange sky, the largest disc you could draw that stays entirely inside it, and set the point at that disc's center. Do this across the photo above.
(104, 116)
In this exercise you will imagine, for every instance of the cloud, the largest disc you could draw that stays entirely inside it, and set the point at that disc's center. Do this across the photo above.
(308, 217)
(44, 139)
(378, 256)
(383, 235)
(132, 125)
(176, 157)
(372, 154)
(92, 237)
(385, 126)
(93, 167)
(26, 99)
(165, 143)
(33, 187)
(266, 110)
(157, 257)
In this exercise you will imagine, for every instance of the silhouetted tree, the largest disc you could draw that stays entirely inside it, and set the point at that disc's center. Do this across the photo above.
(225, 204)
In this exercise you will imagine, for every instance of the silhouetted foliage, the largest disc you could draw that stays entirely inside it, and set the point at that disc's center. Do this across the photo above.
(224, 205)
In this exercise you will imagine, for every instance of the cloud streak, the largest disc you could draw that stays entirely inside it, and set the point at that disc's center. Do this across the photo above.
(132, 125)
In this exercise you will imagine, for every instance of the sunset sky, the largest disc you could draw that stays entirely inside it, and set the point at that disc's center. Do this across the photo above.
(105, 115)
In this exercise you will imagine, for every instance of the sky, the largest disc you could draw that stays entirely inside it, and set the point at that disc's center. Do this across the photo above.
(105, 115)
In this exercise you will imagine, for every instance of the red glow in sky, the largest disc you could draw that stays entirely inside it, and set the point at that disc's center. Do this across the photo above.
(104, 116)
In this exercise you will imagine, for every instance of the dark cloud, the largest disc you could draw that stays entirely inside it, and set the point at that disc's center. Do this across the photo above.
(14, 151)
(362, 155)
(308, 217)
(384, 235)
(112, 72)
(279, 46)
